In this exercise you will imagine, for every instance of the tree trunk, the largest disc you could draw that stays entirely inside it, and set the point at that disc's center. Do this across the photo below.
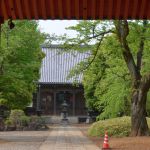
(139, 125)
(141, 84)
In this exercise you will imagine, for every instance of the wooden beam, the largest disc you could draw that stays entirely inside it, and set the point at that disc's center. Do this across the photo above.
(27, 9)
(43, 7)
(84, 9)
(118, 8)
(4, 10)
(52, 9)
(35, 9)
(134, 10)
(101, 9)
(93, 10)
(110, 9)
(126, 10)
(77, 14)
(143, 5)
(12, 9)
(60, 9)
(68, 9)
(19, 7)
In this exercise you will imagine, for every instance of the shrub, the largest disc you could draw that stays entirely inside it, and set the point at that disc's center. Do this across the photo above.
(4, 110)
(24, 120)
(3, 101)
(37, 123)
(15, 116)
(38, 119)
(115, 127)
(20, 121)
(118, 127)
(8, 122)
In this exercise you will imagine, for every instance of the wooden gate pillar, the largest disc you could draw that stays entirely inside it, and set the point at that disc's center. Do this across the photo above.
(38, 98)
(74, 92)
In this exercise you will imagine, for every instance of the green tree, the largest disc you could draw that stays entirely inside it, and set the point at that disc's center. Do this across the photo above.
(140, 81)
(106, 76)
(20, 61)
(132, 46)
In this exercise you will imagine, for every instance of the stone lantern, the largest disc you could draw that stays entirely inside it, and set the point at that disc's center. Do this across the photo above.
(64, 111)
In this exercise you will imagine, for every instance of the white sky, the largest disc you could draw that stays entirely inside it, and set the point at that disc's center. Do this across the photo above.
(57, 26)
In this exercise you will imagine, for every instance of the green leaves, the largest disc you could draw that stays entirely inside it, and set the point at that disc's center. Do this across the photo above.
(106, 78)
(20, 62)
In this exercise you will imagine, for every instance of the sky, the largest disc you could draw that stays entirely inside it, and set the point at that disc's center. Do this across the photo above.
(57, 26)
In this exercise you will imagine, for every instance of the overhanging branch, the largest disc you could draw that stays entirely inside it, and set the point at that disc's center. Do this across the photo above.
(100, 34)
(97, 48)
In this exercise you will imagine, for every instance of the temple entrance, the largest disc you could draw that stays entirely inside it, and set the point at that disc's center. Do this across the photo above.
(60, 97)
(47, 103)
(50, 98)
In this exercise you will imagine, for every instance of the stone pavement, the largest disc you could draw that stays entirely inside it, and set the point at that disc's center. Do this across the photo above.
(67, 138)
(59, 138)
(22, 140)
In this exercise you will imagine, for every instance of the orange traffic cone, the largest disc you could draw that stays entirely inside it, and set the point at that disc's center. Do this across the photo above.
(105, 144)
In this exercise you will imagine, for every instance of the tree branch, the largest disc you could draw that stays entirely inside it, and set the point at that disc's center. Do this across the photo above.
(141, 47)
(100, 34)
(97, 48)
(122, 33)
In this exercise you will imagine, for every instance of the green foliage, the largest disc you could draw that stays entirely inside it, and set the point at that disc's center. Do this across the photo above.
(148, 104)
(9, 122)
(17, 118)
(106, 78)
(25, 120)
(118, 127)
(20, 62)
(3, 101)
(38, 119)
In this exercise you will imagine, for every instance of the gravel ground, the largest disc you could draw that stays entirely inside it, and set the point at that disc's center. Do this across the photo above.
(124, 143)
(22, 140)
(32, 140)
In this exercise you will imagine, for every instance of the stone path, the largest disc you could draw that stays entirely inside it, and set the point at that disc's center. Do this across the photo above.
(22, 140)
(60, 138)
(67, 138)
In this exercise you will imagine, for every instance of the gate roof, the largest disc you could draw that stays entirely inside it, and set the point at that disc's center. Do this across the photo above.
(74, 9)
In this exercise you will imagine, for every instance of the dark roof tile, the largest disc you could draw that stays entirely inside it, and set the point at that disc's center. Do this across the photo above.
(57, 64)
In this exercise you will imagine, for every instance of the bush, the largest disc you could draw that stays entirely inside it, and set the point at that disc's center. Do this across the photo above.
(9, 125)
(15, 116)
(3, 101)
(4, 110)
(17, 119)
(37, 123)
(24, 120)
(118, 127)
(8, 122)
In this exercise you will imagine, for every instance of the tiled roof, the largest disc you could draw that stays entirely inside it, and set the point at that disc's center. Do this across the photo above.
(57, 64)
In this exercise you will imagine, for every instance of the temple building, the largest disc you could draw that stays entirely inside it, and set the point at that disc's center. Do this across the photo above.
(54, 86)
